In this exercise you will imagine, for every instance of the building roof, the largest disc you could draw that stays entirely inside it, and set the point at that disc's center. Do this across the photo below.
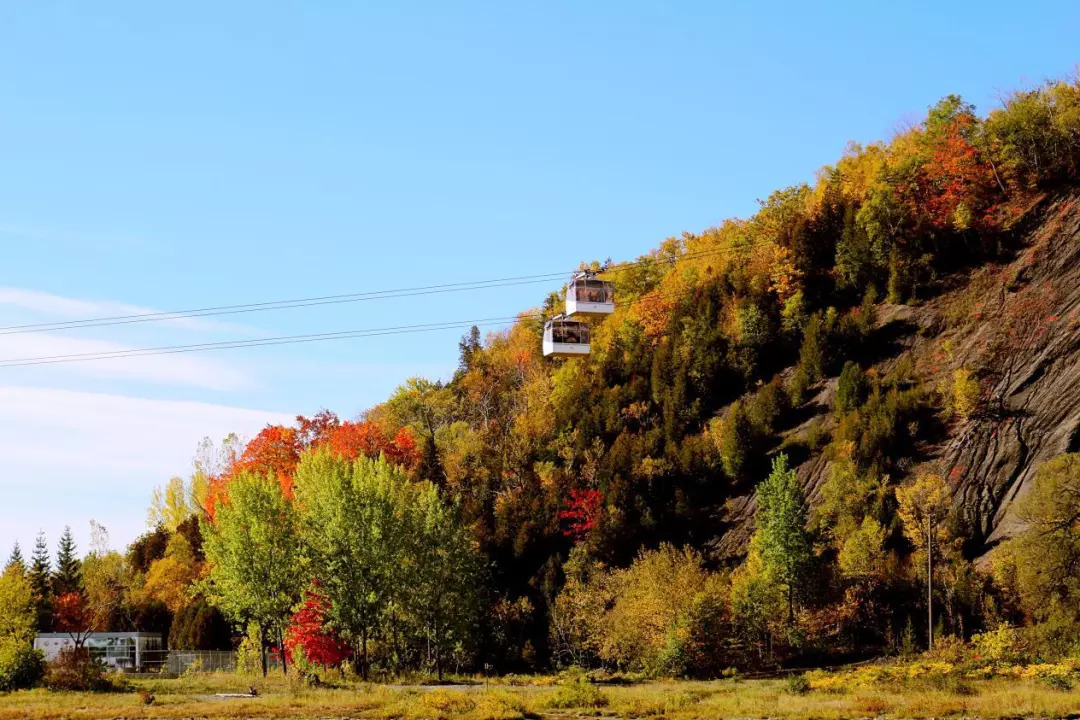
(54, 636)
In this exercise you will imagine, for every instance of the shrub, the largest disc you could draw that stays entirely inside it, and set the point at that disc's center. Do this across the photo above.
(797, 684)
(75, 669)
(21, 666)
(851, 388)
(1057, 682)
(965, 395)
(578, 694)
(1003, 644)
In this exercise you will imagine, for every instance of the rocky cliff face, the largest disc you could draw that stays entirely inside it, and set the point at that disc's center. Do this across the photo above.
(1016, 327)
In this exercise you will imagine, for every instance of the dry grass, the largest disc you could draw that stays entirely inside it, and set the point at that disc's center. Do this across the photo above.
(192, 697)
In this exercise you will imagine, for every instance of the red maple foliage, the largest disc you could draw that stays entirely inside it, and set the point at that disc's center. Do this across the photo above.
(317, 429)
(71, 615)
(959, 177)
(351, 440)
(308, 631)
(275, 450)
(582, 510)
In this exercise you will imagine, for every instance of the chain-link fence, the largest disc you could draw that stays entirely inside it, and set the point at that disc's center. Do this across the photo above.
(177, 662)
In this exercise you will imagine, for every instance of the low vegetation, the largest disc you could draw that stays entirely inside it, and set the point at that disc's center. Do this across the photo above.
(918, 690)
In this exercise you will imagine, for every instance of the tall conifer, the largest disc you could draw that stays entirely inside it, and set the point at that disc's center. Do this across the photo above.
(41, 583)
(68, 577)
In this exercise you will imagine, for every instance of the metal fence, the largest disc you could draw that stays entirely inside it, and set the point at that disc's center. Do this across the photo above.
(181, 661)
(177, 662)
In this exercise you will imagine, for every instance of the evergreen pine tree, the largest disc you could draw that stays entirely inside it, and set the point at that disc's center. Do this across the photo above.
(68, 577)
(15, 559)
(41, 583)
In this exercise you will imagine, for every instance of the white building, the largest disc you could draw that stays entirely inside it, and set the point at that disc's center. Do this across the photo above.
(119, 650)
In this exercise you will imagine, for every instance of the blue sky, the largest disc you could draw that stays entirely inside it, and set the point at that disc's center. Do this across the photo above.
(167, 156)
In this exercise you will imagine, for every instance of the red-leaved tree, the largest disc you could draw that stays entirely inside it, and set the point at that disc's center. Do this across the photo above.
(308, 632)
(581, 513)
(72, 616)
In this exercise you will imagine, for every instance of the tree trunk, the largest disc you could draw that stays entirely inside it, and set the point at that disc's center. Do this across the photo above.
(791, 604)
(262, 650)
(363, 655)
(438, 652)
(281, 649)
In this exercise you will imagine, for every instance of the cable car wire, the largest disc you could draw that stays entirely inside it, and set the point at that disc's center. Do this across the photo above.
(306, 338)
(167, 315)
(257, 342)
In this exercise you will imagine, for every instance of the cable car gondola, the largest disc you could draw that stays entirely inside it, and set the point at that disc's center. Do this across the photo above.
(587, 295)
(566, 337)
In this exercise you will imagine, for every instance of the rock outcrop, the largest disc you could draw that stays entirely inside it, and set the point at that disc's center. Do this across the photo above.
(1015, 326)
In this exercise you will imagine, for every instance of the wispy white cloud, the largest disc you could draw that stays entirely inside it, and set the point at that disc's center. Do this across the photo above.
(179, 369)
(71, 456)
(59, 308)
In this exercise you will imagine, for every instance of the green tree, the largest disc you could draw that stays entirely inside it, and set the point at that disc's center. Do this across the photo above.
(41, 583)
(736, 440)
(812, 352)
(781, 536)
(354, 537)
(444, 576)
(1047, 553)
(68, 575)
(253, 552)
(851, 388)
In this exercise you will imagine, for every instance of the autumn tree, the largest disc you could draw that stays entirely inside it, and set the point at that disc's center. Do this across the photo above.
(171, 578)
(72, 615)
(171, 504)
(923, 506)
(106, 579)
(310, 635)
(253, 552)
(17, 610)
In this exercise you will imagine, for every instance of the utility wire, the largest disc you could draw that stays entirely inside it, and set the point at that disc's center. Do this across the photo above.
(165, 315)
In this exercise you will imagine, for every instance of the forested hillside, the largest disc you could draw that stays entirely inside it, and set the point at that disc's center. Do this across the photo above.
(744, 469)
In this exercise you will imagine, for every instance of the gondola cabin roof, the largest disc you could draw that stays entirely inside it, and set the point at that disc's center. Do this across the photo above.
(565, 337)
(588, 295)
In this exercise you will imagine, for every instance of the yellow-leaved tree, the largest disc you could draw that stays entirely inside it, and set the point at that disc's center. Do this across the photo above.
(923, 505)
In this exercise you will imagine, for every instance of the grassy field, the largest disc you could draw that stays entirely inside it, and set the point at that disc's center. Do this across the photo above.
(194, 697)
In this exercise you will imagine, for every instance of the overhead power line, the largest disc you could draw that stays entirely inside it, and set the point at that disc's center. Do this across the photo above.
(217, 310)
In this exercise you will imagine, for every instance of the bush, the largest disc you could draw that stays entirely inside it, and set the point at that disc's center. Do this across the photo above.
(75, 669)
(21, 666)
(578, 694)
(851, 388)
(797, 684)
(1057, 682)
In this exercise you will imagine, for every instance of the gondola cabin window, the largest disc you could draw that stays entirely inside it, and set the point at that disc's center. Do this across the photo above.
(587, 295)
(564, 337)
